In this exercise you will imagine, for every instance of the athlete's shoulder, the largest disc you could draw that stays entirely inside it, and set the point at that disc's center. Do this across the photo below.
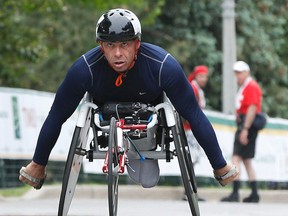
(88, 58)
(152, 51)
(93, 55)
(154, 47)
(80, 71)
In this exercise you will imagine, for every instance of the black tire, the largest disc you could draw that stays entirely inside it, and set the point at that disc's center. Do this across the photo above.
(113, 165)
(186, 166)
(73, 166)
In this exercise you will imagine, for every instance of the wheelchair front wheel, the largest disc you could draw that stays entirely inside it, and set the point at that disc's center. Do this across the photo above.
(113, 166)
(73, 165)
(71, 174)
(186, 166)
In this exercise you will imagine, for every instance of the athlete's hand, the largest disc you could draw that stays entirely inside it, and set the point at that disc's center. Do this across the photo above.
(33, 174)
(227, 174)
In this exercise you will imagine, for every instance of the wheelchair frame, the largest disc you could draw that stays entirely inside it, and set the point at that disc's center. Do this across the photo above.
(115, 157)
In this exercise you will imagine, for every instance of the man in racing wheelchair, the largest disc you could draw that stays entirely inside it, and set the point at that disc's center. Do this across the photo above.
(123, 69)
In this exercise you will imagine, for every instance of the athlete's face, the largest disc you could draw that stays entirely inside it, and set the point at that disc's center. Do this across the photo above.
(120, 55)
(241, 76)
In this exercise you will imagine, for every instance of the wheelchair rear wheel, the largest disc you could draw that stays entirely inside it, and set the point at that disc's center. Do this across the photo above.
(113, 166)
(186, 165)
(73, 166)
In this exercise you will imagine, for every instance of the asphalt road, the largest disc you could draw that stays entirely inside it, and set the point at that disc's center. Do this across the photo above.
(92, 201)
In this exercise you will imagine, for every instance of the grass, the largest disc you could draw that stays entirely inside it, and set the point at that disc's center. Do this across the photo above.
(14, 192)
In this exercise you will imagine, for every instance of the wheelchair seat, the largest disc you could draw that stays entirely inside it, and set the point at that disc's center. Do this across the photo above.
(133, 114)
(140, 170)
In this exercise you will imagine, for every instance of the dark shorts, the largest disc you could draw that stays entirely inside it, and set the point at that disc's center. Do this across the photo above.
(245, 151)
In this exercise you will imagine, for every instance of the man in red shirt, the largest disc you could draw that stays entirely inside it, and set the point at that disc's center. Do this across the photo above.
(248, 104)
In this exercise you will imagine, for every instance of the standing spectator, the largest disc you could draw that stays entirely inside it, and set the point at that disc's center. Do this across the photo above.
(248, 104)
(198, 79)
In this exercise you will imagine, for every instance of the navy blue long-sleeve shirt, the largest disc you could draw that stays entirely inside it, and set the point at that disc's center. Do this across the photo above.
(154, 71)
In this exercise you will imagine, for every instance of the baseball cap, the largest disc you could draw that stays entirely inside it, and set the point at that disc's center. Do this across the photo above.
(241, 66)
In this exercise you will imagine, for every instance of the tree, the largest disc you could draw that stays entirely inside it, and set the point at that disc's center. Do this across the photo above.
(261, 30)
(21, 44)
(41, 39)
(192, 32)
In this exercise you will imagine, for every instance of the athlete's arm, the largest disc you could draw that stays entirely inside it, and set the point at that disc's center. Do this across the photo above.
(67, 98)
(179, 91)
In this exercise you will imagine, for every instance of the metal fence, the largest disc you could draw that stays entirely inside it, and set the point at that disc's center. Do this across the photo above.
(9, 172)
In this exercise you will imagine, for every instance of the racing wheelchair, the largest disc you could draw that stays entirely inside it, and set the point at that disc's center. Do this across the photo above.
(132, 136)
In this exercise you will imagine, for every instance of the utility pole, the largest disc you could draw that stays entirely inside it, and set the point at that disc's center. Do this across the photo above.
(229, 85)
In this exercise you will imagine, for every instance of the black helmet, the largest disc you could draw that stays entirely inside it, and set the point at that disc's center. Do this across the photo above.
(118, 25)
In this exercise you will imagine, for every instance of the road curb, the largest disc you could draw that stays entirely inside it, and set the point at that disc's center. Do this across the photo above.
(157, 193)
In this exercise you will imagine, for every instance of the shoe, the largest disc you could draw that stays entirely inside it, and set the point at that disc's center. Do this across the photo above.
(233, 197)
(253, 198)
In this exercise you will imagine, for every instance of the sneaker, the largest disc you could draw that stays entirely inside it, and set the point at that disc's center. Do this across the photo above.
(253, 198)
(233, 197)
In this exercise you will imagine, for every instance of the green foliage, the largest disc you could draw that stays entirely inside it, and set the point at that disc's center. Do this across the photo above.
(40, 39)
(21, 44)
(67, 42)
(145, 10)
(261, 30)
(191, 31)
